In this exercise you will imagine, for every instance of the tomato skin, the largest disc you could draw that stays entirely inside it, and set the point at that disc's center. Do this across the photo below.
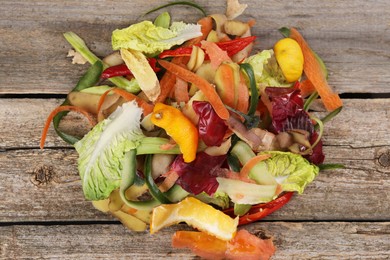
(202, 244)
(243, 246)
(248, 246)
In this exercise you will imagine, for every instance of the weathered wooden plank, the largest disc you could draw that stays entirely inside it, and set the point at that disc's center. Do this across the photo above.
(337, 240)
(44, 186)
(350, 36)
(348, 140)
(355, 126)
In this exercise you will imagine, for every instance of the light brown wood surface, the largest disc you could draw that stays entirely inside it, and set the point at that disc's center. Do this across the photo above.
(343, 214)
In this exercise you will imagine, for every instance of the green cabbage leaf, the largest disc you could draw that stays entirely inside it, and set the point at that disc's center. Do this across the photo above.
(266, 69)
(291, 171)
(102, 150)
(151, 39)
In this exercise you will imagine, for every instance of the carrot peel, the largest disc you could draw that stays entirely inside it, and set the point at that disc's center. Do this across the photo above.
(90, 117)
(315, 74)
(208, 90)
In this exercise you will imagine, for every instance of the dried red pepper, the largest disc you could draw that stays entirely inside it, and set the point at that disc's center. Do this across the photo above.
(231, 47)
(123, 70)
(260, 211)
(211, 127)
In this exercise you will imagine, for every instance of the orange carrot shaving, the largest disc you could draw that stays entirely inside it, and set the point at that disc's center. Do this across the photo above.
(251, 163)
(207, 89)
(243, 96)
(216, 54)
(89, 116)
(251, 22)
(307, 88)
(168, 81)
(226, 81)
(147, 108)
(101, 100)
(206, 24)
(181, 91)
(314, 73)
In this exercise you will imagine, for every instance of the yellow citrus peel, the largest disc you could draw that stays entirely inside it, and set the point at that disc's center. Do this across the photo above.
(179, 127)
(196, 214)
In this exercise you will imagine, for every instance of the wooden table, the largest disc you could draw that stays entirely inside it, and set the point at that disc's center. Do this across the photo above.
(343, 214)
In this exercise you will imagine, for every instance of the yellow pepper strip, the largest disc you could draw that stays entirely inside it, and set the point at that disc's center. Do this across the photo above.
(179, 127)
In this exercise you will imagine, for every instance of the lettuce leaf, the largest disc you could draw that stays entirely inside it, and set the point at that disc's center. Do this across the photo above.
(292, 171)
(267, 70)
(102, 150)
(220, 199)
(150, 39)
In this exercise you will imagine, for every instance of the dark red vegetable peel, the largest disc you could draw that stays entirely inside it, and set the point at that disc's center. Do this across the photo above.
(199, 175)
(211, 127)
(288, 114)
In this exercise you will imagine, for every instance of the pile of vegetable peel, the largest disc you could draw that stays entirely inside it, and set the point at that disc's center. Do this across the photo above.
(190, 124)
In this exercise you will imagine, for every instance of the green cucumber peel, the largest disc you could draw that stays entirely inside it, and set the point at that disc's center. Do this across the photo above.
(79, 45)
(163, 20)
(233, 163)
(329, 116)
(128, 178)
(241, 209)
(89, 79)
(185, 3)
(310, 100)
(331, 166)
(247, 68)
(243, 152)
(153, 189)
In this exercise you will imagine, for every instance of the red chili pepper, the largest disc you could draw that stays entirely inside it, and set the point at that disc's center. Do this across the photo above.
(123, 70)
(260, 211)
(231, 47)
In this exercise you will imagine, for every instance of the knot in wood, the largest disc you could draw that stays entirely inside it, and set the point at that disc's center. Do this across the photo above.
(42, 175)
(384, 159)
(262, 234)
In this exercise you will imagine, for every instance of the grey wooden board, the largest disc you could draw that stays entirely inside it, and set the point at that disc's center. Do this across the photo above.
(351, 36)
(357, 138)
(337, 240)
(356, 125)
(44, 186)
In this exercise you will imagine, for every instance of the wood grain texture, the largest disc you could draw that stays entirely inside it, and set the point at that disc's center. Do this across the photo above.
(348, 140)
(339, 240)
(351, 36)
(44, 186)
(343, 214)
(355, 127)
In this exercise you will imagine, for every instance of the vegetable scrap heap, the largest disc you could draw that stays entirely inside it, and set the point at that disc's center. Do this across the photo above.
(195, 126)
